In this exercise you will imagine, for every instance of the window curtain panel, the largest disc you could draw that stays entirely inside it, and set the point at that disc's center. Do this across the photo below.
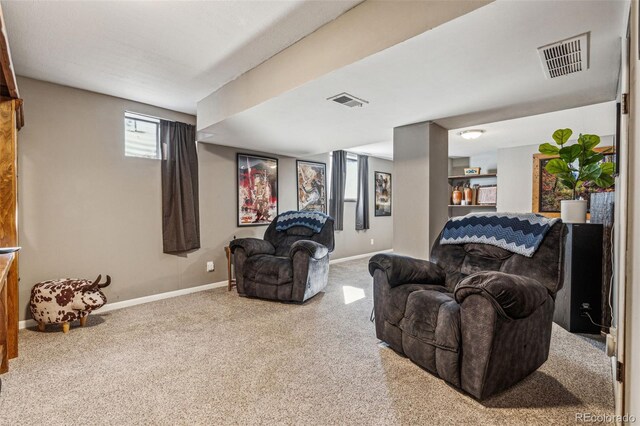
(338, 181)
(180, 203)
(362, 204)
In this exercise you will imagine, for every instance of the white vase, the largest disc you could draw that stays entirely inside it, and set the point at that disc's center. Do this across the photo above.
(573, 211)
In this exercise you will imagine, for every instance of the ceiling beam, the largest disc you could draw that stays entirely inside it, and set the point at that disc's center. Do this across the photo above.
(364, 30)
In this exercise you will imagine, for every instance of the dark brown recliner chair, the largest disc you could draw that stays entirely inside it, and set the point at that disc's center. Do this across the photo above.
(477, 316)
(290, 265)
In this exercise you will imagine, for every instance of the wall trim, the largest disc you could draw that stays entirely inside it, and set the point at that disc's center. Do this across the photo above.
(184, 291)
(141, 300)
(358, 256)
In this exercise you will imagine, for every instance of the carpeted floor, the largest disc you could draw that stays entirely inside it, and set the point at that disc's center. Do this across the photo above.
(216, 358)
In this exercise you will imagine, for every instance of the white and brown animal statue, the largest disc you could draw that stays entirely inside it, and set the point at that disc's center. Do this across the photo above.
(64, 300)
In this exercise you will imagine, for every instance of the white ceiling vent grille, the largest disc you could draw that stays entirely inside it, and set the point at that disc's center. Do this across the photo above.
(347, 100)
(565, 57)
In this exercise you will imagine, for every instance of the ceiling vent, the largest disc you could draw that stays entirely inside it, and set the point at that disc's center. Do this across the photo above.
(347, 100)
(566, 56)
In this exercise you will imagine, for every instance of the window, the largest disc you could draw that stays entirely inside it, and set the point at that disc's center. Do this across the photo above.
(141, 136)
(351, 184)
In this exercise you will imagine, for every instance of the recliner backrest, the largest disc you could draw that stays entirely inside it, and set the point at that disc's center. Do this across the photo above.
(546, 265)
(283, 240)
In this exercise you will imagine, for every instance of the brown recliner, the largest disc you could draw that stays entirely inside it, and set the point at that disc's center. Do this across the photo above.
(476, 315)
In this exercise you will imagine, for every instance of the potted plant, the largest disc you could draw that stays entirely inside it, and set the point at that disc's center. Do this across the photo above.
(576, 165)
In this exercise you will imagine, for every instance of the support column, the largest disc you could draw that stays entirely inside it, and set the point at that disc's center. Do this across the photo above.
(420, 198)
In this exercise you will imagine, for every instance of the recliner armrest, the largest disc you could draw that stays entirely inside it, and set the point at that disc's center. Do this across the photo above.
(406, 270)
(315, 250)
(252, 246)
(514, 296)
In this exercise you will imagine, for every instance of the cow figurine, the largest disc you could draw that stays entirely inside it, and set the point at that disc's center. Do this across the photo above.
(64, 300)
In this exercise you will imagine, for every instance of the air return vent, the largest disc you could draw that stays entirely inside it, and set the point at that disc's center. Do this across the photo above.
(565, 57)
(347, 100)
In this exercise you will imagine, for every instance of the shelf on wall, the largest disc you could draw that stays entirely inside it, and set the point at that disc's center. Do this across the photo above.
(473, 205)
(487, 175)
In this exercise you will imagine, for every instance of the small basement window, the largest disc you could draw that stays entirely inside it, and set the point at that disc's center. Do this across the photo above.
(141, 136)
(351, 184)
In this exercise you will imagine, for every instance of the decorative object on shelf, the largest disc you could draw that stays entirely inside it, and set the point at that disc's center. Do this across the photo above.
(468, 194)
(257, 190)
(474, 199)
(64, 300)
(572, 172)
(456, 196)
(312, 186)
(470, 171)
(383, 194)
(487, 195)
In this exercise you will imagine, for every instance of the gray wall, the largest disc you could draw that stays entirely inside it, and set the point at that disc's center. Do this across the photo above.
(515, 174)
(86, 209)
(350, 242)
(421, 193)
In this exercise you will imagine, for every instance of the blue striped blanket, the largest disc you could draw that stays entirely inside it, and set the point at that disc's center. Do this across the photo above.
(520, 233)
(312, 220)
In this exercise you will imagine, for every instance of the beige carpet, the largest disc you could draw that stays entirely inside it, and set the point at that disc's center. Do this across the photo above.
(216, 358)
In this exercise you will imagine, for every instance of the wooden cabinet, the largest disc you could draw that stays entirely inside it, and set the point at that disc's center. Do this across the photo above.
(11, 120)
(8, 219)
(582, 288)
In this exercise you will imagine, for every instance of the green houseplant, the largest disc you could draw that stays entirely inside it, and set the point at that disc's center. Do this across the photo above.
(576, 165)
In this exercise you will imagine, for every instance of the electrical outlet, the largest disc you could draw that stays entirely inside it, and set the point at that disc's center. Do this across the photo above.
(211, 266)
(585, 308)
(372, 241)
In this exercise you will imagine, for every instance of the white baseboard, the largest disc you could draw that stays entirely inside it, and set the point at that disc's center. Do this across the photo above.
(358, 256)
(154, 297)
(140, 300)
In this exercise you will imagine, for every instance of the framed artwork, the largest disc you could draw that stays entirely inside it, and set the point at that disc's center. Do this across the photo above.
(548, 191)
(487, 195)
(257, 189)
(383, 194)
(312, 186)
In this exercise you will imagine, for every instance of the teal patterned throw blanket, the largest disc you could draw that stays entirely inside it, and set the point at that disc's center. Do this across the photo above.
(309, 219)
(520, 233)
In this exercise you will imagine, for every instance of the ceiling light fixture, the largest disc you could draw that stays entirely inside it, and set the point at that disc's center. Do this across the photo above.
(471, 134)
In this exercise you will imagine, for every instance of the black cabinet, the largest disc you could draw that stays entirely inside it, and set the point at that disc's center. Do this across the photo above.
(582, 289)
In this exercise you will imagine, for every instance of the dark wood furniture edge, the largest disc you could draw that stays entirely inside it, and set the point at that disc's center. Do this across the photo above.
(6, 260)
(9, 80)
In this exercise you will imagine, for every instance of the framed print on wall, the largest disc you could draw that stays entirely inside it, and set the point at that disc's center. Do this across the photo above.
(383, 194)
(257, 189)
(312, 186)
(548, 191)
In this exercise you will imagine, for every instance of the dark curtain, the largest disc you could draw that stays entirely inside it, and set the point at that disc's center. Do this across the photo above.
(180, 204)
(362, 204)
(338, 180)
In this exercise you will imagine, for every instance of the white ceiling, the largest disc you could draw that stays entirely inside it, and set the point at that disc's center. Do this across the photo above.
(170, 54)
(598, 119)
(481, 67)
